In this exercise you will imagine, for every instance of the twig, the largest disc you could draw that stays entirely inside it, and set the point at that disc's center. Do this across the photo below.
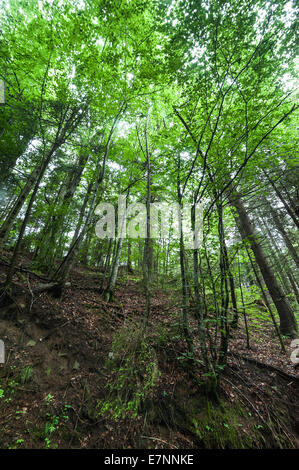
(160, 440)
(254, 408)
(30, 290)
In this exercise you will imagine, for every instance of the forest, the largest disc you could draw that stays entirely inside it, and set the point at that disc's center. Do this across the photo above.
(149, 218)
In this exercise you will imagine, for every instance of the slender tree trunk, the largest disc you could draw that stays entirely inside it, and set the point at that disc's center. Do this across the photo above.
(186, 328)
(129, 262)
(224, 288)
(288, 325)
(284, 234)
(107, 262)
(82, 212)
(109, 291)
(275, 255)
(147, 261)
(27, 215)
(63, 131)
(86, 248)
(17, 206)
(65, 195)
(243, 306)
(266, 302)
(200, 313)
(282, 199)
(292, 202)
(66, 266)
(234, 323)
(283, 268)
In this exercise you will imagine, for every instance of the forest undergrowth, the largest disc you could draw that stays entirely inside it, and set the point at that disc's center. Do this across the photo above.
(80, 373)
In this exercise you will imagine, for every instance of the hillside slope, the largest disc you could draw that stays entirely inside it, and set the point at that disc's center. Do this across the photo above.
(77, 375)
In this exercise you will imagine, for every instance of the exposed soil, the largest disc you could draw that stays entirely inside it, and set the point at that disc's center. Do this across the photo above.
(55, 375)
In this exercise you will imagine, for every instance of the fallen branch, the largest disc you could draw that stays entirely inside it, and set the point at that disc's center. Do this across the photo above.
(24, 270)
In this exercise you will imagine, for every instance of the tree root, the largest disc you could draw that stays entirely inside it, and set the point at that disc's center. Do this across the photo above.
(263, 365)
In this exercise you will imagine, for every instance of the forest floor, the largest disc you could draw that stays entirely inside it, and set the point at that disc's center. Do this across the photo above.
(67, 377)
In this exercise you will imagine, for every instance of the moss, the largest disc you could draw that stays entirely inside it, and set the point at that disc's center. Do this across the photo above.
(213, 424)
(223, 426)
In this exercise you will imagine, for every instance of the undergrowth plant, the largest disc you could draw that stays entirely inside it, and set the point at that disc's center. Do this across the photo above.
(53, 422)
(133, 369)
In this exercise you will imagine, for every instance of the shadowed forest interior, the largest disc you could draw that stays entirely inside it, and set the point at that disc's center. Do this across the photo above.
(149, 218)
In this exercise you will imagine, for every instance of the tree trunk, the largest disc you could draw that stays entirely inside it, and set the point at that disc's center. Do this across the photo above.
(114, 271)
(67, 190)
(17, 206)
(288, 325)
(234, 323)
(283, 268)
(282, 199)
(148, 251)
(284, 235)
(66, 266)
(129, 262)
